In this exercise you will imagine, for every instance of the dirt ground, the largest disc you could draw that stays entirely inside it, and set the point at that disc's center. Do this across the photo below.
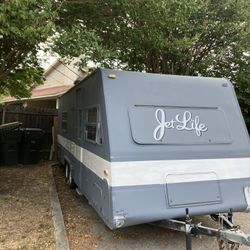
(26, 221)
(87, 231)
(78, 222)
(25, 212)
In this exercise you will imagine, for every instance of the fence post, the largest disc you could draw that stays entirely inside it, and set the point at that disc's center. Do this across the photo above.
(3, 117)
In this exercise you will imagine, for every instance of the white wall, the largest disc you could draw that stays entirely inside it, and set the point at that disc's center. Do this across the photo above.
(60, 74)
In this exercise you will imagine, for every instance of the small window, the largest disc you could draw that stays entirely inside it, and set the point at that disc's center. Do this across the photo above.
(64, 121)
(92, 115)
(79, 127)
(93, 125)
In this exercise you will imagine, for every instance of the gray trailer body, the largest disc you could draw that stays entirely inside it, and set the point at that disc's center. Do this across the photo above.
(144, 147)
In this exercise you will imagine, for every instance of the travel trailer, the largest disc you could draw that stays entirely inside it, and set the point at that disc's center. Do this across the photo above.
(148, 147)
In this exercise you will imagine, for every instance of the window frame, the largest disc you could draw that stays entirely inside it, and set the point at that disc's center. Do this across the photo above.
(98, 133)
(64, 121)
(80, 117)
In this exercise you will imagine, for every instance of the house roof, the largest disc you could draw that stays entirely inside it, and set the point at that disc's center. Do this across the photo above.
(47, 93)
(59, 78)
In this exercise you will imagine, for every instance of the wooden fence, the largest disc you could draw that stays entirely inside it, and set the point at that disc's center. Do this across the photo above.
(30, 117)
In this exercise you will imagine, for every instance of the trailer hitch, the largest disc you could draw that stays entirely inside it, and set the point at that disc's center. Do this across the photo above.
(228, 238)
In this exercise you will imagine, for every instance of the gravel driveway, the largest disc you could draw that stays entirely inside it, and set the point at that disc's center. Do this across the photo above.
(87, 231)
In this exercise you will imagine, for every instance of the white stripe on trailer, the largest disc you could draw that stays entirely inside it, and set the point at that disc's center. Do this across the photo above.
(132, 173)
(92, 161)
(159, 172)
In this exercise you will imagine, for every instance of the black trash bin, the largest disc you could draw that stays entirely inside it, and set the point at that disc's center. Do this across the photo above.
(30, 146)
(9, 145)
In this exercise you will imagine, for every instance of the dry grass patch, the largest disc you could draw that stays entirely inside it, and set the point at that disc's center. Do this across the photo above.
(25, 212)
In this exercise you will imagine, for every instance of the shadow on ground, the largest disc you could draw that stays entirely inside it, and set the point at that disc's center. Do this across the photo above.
(87, 231)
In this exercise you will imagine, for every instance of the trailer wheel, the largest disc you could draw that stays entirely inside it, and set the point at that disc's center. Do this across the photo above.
(70, 180)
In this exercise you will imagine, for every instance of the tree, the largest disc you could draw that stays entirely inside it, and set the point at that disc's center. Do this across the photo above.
(174, 36)
(24, 25)
(196, 37)
(242, 87)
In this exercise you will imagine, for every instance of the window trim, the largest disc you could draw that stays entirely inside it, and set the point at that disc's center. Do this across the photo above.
(64, 121)
(80, 117)
(98, 124)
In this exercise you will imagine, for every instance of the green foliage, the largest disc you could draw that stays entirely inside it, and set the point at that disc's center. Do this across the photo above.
(242, 87)
(195, 37)
(24, 24)
(174, 36)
